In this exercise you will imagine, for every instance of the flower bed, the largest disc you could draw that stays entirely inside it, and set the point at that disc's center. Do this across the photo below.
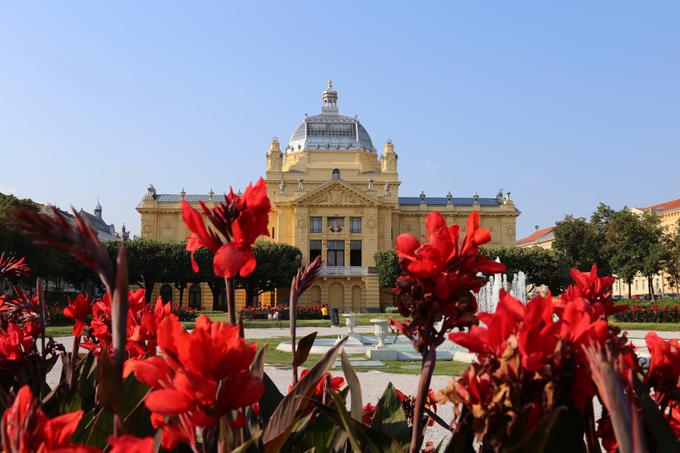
(653, 313)
(303, 312)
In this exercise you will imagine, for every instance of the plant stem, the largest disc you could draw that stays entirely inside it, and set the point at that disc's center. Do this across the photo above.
(72, 365)
(292, 310)
(43, 326)
(429, 359)
(592, 445)
(231, 303)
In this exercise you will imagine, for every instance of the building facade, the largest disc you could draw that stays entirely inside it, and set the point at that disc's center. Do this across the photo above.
(333, 194)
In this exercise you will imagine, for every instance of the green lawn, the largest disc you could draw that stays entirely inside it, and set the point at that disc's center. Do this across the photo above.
(274, 357)
(661, 326)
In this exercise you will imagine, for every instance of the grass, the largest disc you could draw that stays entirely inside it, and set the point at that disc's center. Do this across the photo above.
(660, 326)
(274, 357)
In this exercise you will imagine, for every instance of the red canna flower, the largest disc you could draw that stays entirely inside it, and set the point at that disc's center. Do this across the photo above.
(200, 377)
(26, 428)
(15, 342)
(440, 276)
(336, 384)
(597, 290)
(367, 414)
(500, 325)
(128, 443)
(664, 365)
(78, 309)
(142, 323)
(240, 220)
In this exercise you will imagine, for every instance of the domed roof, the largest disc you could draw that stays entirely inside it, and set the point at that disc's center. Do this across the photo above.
(329, 130)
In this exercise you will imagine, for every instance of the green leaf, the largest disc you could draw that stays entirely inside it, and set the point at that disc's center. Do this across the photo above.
(354, 387)
(654, 421)
(257, 367)
(346, 422)
(390, 417)
(286, 412)
(270, 399)
(302, 349)
(374, 441)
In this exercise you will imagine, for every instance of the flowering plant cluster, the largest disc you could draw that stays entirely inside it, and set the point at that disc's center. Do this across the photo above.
(303, 312)
(653, 313)
(135, 380)
(535, 368)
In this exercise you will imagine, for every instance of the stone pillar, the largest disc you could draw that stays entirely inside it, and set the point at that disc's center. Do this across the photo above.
(372, 293)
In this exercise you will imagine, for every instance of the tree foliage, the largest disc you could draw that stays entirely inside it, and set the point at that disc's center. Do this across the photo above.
(277, 264)
(671, 264)
(387, 264)
(581, 243)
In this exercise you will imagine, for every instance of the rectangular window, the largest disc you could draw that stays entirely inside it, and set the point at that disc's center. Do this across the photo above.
(355, 253)
(314, 249)
(336, 253)
(355, 224)
(273, 233)
(315, 224)
(336, 224)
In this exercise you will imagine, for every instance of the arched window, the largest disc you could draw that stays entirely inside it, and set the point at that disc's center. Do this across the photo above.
(166, 293)
(195, 297)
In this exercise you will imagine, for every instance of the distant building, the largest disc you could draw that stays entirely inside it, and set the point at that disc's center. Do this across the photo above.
(335, 195)
(542, 238)
(105, 232)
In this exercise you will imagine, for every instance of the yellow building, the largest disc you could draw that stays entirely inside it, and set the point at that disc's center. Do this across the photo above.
(542, 238)
(335, 195)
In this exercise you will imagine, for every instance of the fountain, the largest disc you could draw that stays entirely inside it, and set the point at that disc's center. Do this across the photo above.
(489, 294)
(377, 349)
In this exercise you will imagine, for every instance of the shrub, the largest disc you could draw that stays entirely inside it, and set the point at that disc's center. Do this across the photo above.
(303, 312)
(186, 315)
(650, 313)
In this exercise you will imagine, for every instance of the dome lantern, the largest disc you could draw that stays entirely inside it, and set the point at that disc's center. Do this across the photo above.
(330, 100)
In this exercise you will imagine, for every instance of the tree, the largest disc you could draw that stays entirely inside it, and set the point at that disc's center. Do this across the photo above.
(671, 264)
(600, 221)
(623, 245)
(580, 242)
(147, 262)
(387, 264)
(277, 264)
(204, 258)
(178, 269)
(653, 250)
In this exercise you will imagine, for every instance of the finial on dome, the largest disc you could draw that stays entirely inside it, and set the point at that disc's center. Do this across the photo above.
(330, 99)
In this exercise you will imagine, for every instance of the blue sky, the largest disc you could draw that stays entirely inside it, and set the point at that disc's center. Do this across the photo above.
(563, 105)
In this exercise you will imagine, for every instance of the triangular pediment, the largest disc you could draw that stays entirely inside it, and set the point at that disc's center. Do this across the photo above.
(336, 192)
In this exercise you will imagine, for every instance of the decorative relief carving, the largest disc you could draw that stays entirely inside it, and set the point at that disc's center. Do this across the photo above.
(337, 194)
(300, 226)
